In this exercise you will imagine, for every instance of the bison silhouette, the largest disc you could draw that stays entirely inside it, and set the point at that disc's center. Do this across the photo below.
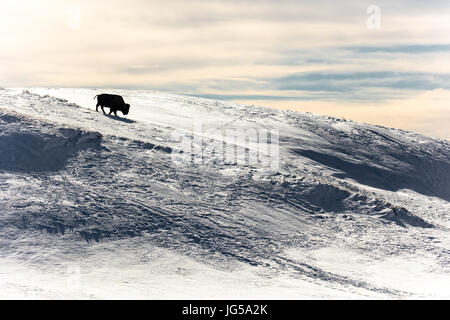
(112, 101)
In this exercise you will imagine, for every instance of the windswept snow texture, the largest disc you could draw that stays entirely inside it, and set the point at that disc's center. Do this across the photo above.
(27, 148)
(95, 206)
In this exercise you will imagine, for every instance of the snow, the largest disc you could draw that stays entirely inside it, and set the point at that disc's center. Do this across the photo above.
(406, 273)
(97, 206)
(146, 272)
(29, 149)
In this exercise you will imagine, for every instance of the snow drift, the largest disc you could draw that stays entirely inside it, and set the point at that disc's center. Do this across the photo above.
(81, 184)
(26, 148)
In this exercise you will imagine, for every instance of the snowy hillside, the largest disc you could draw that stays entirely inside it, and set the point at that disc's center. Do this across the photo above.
(96, 206)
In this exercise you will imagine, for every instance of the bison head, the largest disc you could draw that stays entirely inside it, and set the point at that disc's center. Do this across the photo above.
(126, 109)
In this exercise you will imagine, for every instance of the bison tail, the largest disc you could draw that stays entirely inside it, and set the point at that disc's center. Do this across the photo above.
(96, 96)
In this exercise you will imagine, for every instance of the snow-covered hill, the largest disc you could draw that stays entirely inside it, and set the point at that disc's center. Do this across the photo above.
(95, 206)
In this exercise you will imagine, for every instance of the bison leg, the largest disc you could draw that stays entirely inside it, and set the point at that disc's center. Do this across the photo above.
(103, 110)
(110, 111)
(96, 107)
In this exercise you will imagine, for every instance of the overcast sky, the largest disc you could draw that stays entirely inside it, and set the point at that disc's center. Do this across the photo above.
(343, 58)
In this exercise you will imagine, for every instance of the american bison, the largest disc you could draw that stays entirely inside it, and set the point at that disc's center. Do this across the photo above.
(112, 101)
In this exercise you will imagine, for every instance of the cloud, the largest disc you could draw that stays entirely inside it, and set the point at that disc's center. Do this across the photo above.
(411, 49)
(353, 81)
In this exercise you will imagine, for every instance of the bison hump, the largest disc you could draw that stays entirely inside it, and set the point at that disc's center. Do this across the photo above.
(111, 99)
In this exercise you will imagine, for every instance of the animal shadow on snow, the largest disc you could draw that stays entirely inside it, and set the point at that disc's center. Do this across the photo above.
(119, 118)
